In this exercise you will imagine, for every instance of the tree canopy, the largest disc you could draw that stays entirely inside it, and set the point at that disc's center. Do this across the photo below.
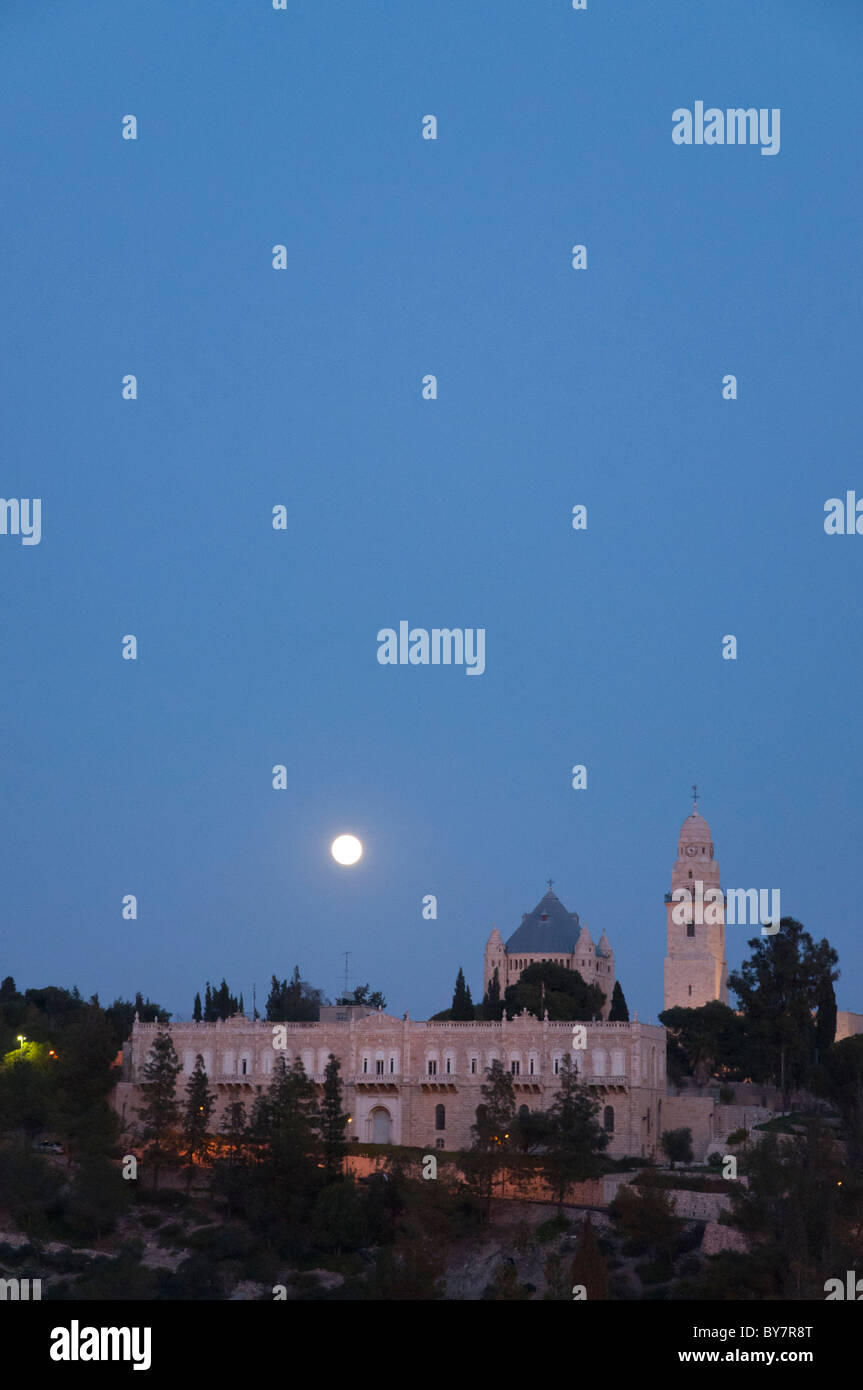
(567, 995)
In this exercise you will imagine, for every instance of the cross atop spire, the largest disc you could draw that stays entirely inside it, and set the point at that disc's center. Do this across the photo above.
(694, 797)
(550, 882)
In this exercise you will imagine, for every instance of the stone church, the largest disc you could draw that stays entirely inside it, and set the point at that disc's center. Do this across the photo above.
(418, 1083)
(550, 933)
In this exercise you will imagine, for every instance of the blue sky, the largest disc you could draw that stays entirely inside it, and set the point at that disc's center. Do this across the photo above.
(302, 387)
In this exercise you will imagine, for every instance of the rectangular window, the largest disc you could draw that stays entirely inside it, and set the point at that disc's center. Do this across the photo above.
(473, 1066)
(557, 1066)
(432, 1068)
(379, 1068)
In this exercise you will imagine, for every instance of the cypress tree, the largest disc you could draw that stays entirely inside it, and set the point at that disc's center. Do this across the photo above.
(276, 1001)
(159, 1111)
(588, 1266)
(462, 1005)
(196, 1011)
(492, 1005)
(332, 1121)
(196, 1118)
(619, 1010)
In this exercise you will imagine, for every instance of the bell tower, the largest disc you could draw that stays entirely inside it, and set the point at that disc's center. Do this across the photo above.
(696, 970)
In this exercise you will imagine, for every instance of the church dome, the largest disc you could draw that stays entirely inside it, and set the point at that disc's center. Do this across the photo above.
(695, 829)
(548, 928)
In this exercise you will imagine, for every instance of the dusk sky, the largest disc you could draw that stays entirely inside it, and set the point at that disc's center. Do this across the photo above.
(303, 387)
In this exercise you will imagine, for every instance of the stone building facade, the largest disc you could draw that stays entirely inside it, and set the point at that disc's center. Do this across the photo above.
(417, 1083)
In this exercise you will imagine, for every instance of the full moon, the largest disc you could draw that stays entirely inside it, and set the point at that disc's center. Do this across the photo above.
(346, 849)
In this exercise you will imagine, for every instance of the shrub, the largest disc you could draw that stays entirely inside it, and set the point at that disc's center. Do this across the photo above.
(230, 1242)
(172, 1234)
(654, 1271)
(14, 1255)
(550, 1230)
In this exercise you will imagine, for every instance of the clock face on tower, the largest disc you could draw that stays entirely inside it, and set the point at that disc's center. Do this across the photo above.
(691, 849)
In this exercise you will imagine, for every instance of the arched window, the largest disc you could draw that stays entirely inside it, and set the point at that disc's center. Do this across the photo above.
(439, 1143)
(523, 1112)
(440, 1117)
(608, 1119)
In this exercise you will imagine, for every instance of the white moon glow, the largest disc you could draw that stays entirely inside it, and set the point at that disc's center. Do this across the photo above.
(346, 849)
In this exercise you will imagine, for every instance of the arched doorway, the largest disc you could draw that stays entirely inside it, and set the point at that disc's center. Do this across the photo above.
(381, 1123)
